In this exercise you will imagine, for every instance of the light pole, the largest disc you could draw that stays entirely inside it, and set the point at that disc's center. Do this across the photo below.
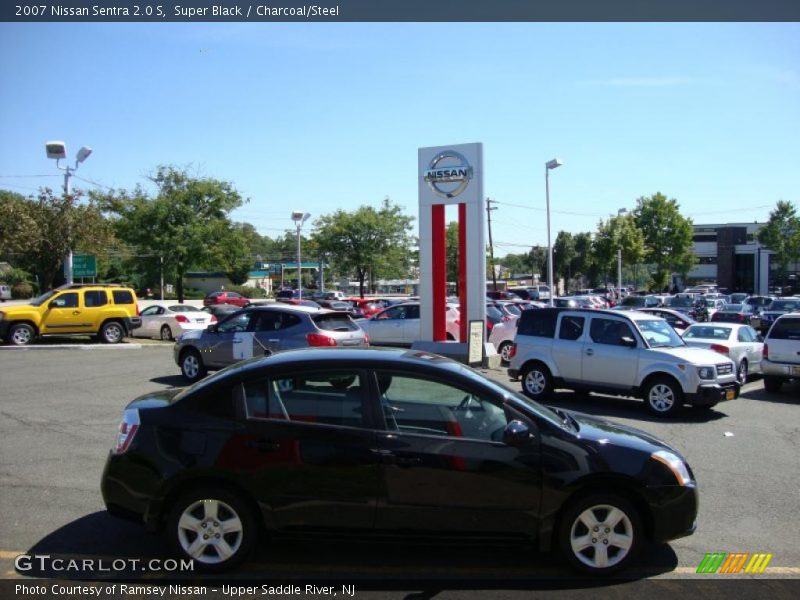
(299, 217)
(549, 165)
(620, 213)
(58, 151)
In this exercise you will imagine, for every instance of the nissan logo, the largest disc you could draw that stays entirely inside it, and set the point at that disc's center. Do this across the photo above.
(448, 174)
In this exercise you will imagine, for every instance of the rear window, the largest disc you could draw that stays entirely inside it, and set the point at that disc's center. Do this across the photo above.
(123, 297)
(540, 323)
(334, 322)
(785, 329)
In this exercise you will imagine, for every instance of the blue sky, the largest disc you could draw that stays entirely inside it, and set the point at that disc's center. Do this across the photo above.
(318, 116)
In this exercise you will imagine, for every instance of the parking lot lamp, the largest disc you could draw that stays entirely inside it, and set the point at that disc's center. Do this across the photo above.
(58, 151)
(620, 213)
(299, 217)
(549, 165)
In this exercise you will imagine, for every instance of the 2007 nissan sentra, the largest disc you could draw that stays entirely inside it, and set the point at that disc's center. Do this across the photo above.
(378, 441)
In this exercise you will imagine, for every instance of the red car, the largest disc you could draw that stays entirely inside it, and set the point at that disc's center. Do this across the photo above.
(369, 306)
(225, 298)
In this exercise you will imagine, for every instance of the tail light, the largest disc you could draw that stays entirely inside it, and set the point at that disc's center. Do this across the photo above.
(127, 431)
(720, 348)
(366, 339)
(489, 326)
(512, 352)
(181, 319)
(213, 319)
(740, 318)
(319, 339)
(765, 352)
(138, 314)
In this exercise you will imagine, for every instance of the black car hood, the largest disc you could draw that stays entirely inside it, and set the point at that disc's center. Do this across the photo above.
(158, 399)
(606, 432)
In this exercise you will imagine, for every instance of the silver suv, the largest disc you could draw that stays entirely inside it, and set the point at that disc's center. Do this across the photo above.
(781, 354)
(260, 331)
(625, 353)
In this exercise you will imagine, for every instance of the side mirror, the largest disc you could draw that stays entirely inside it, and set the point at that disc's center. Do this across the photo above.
(627, 341)
(517, 433)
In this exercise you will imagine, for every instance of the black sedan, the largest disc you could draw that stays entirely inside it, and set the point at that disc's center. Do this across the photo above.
(388, 441)
(734, 313)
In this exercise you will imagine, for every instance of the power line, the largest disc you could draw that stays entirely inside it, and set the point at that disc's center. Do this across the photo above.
(26, 176)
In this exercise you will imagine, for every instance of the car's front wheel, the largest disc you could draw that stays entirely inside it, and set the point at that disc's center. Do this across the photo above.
(537, 383)
(663, 397)
(599, 534)
(192, 366)
(213, 527)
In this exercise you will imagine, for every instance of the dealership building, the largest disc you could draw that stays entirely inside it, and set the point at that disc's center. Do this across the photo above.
(731, 256)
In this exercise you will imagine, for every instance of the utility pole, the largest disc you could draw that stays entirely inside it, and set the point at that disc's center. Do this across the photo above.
(489, 209)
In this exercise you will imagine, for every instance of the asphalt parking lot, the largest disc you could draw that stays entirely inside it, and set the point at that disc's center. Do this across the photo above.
(60, 410)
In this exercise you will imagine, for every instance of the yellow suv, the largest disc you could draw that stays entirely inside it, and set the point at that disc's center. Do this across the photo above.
(106, 310)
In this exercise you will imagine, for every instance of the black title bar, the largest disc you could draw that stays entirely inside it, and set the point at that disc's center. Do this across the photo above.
(189, 11)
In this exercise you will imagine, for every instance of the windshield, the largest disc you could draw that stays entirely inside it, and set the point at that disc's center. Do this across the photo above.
(659, 334)
(43, 298)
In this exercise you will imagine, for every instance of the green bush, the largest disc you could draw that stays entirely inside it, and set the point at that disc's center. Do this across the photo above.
(22, 291)
(247, 291)
(193, 294)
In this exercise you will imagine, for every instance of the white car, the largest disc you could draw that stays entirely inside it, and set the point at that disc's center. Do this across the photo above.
(400, 325)
(741, 343)
(713, 305)
(169, 321)
(502, 336)
(782, 352)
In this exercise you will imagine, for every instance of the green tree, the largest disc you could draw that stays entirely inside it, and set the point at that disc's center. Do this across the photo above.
(618, 233)
(667, 237)
(41, 231)
(781, 234)
(187, 222)
(563, 255)
(584, 265)
(367, 242)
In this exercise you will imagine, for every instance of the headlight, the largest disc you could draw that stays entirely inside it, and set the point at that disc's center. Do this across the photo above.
(705, 372)
(675, 464)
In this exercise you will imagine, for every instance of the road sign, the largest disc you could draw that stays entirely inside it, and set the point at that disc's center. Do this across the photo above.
(84, 265)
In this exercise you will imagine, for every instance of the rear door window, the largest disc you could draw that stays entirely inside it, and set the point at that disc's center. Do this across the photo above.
(93, 298)
(571, 327)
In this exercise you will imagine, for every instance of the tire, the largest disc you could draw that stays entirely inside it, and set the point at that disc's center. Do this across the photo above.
(166, 333)
(772, 384)
(219, 514)
(112, 332)
(741, 372)
(504, 350)
(537, 383)
(663, 397)
(20, 334)
(600, 534)
(192, 367)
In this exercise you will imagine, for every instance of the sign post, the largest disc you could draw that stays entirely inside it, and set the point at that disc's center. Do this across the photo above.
(84, 265)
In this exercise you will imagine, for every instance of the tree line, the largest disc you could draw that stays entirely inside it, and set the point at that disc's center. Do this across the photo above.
(185, 224)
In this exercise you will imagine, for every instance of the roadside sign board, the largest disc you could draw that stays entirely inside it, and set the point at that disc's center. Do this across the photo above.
(475, 343)
(84, 265)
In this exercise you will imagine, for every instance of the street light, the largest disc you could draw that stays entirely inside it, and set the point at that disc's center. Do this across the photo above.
(620, 213)
(299, 217)
(58, 151)
(549, 165)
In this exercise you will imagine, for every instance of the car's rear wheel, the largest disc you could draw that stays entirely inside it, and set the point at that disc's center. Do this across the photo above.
(112, 332)
(166, 333)
(537, 383)
(741, 372)
(192, 366)
(505, 352)
(599, 534)
(772, 384)
(213, 527)
(663, 397)
(21, 334)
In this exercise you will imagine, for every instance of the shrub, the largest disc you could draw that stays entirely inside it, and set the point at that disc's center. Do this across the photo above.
(22, 291)
(247, 291)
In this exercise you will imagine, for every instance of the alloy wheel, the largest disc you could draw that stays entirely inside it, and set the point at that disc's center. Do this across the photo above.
(601, 536)
(210, 531)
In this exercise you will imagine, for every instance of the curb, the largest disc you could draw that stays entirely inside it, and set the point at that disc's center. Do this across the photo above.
(76, 347)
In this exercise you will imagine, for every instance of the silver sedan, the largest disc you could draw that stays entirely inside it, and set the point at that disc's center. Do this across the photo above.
(169, 321)
(741, 343)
